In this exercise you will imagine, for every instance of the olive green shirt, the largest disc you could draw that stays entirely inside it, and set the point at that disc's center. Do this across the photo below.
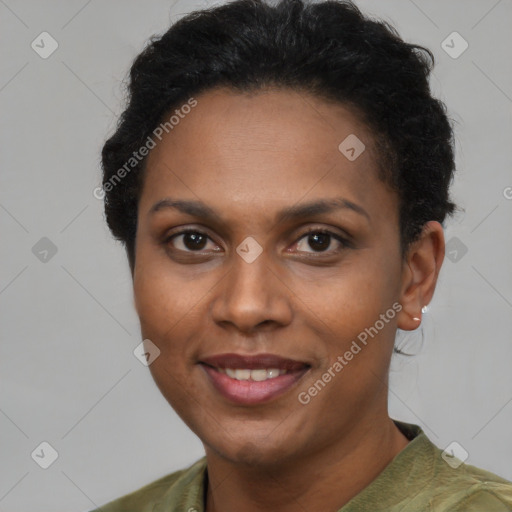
(417, 479)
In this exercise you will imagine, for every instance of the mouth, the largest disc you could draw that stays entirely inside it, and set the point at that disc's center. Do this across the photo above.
(252, 379)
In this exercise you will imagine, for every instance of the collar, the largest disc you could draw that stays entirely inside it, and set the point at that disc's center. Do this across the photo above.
(413, 468)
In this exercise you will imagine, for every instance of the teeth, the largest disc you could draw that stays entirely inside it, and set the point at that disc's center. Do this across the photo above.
(239, 374)
(257, 375)
(274, 372)
(229, 372)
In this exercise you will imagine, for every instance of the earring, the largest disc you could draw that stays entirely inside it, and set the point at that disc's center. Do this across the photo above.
(424, 309)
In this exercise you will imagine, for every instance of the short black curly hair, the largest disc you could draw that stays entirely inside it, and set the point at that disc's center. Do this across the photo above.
(329, 49)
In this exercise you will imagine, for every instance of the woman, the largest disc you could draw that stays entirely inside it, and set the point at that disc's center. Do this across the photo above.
(280, 179)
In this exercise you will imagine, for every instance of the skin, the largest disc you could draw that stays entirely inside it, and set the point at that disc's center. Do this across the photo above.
(247, 156)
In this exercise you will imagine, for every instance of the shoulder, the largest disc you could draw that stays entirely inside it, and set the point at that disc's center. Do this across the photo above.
(468, 488)
(437, 481)
(188, 481)
(488, 498)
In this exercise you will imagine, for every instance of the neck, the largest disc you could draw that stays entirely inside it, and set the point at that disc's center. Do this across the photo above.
(325, 480)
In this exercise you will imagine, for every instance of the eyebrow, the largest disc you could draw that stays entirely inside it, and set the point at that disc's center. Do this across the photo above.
(295, 212)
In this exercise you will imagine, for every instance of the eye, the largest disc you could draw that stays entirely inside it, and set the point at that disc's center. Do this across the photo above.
(189, 240)
(320, 240)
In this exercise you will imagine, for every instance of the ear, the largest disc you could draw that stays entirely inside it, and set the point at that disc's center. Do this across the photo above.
(419, 274)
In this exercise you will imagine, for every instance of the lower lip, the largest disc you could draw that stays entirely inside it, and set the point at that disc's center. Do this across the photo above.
(249, 391)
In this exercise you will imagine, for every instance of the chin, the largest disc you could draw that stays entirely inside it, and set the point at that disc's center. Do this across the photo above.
(250, 450)
(252, 454)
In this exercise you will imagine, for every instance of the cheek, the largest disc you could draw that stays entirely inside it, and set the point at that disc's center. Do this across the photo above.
(344, 310)
(354, 349)
(162, 304)
(167, 310)
(164, 298)
(343, 302)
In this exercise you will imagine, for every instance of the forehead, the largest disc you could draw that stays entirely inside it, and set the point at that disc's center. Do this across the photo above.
(263, 151)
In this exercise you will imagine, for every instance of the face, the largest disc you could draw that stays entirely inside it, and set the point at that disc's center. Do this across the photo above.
(250, 308)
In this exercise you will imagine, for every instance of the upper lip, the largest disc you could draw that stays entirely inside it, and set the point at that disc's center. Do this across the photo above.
(253, 362)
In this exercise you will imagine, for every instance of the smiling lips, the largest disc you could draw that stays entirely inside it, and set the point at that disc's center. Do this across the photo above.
(252, 379)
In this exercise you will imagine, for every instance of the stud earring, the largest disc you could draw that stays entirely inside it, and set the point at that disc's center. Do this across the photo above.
(424, 309)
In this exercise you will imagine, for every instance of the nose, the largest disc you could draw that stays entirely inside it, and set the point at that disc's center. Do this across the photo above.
(252, 297)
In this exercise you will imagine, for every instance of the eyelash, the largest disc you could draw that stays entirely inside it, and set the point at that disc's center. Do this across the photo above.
(343, 241)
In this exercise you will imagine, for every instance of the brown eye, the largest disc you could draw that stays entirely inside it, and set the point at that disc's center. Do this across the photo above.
(189, 240)
(320, 241)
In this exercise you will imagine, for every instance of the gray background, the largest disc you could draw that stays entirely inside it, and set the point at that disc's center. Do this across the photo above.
(69, 376)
